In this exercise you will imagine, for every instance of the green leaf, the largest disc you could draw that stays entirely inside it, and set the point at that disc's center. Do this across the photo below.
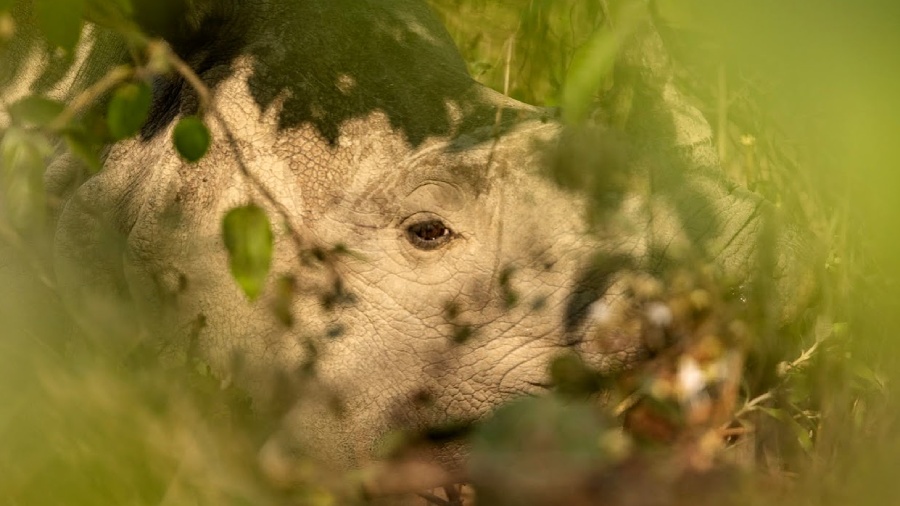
(678, 15)
(107, 7)
(60, 21)
(571, 376)
(777, 414)
(35, 110)
(248, 239)
(7, 24)
(128, 109)
(592, 64)
(868, 378)
(589, 68)
(543, 437)
(840, 329)
(81, 146)
(803, 436)
(285, 290)
(191, 138)
(23, 157)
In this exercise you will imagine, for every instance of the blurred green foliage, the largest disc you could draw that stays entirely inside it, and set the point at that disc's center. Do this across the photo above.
(191, 138)
(248, 239)
(803, 99)
(128, 109)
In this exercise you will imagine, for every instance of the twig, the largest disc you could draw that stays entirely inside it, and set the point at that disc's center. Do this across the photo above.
(752, 405)
(804, 357)
(433, 499)
(204, 96)
(627, 403)
(509, 54)
(498, 117)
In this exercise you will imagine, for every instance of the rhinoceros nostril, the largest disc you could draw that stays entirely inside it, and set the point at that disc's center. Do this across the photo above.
(590, 286)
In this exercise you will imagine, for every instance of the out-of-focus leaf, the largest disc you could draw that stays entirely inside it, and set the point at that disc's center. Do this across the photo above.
(191, 138)
(94, 125)
(81, 146)
(248, 239)
(774, 413)
(802, 433)
(532, 443)
(116, 14)
(393, 443)
(678, 14)
(35, 110)
(589, 68)
(593, 63)
(285, 290)
(865, 374)
(22, 160)
(7, 26)
(60, 21)
(478, 68)
(122, 6)
(839, 329)
(571, 376)
(564, 427)
(128, 109)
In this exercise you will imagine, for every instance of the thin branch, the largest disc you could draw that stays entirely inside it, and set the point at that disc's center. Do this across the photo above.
(433, 499)
(510, 43)
(205, 97)
(627, 403)
(804, 357)
(752, 405)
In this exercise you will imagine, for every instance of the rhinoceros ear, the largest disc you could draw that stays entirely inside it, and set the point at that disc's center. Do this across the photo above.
(170, 18)
(187, 24)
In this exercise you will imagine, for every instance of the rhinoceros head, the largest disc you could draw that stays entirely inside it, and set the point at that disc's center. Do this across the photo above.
(428, 263)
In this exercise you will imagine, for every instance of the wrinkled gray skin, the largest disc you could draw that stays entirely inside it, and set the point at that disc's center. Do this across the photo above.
(359, 118)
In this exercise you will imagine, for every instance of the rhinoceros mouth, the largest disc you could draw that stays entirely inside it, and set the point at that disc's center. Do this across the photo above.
(545, 385)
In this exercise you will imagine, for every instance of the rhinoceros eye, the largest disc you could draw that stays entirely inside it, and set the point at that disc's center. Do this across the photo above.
(429, 234)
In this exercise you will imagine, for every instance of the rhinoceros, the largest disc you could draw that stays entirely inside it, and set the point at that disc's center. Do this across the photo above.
(437, 243)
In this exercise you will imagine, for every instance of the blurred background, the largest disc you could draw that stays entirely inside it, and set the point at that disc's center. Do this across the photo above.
(803, 98)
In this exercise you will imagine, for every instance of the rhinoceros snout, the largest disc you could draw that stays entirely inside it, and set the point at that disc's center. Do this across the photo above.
(603, 322)
(591, 284)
